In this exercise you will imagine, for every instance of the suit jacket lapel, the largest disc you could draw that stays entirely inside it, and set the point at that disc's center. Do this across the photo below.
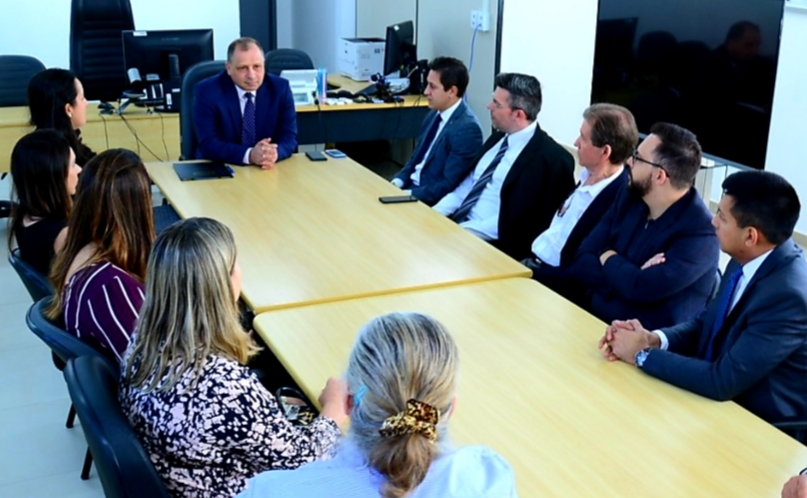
(771, 263)
(232, 104)
(525, 158)
(262, 96)
(442, 137)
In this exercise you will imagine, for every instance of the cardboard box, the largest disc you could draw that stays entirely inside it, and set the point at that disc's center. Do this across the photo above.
(360, 58)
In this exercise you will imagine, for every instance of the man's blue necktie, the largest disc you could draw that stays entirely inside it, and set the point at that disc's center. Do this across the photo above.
(427, 141)
(248, 122)
(461, 214)
(723, 310)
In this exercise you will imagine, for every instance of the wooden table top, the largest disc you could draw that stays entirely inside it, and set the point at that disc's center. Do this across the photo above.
(534, 387)
(310, 232)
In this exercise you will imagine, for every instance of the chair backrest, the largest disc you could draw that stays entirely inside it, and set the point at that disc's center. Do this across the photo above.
(286, 58)
(123, 466)
(38, 285)
(15, 73)
(192, 76)
(65, 345)
(96, 46)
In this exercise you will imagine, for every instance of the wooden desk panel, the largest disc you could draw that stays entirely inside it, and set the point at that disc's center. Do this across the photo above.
(103, 132)
(534, 387)
(310, 232)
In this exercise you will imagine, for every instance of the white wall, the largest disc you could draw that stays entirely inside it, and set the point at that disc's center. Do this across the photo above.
(285, 23)
(785, 145)
(554, 41)
(373, 16)
(41, 28)
(444, 30)
(317, 26)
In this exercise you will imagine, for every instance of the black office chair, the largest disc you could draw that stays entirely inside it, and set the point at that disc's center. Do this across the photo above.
(193, 75)
(15, 73)
(37, 285)
(65, 347)
(286, 58)
(96, 46)
(123, 466)
(795, 428)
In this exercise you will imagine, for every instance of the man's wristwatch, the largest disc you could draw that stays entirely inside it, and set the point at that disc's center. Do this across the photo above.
(640, 357)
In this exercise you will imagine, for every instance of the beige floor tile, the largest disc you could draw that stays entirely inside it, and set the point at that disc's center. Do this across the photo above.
(27, 376)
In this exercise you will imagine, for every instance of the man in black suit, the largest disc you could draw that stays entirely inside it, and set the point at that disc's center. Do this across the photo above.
(607, 139)
(520, 177)
(750, 344)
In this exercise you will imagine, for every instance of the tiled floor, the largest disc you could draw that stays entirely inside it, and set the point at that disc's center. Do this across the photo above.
(40, 457)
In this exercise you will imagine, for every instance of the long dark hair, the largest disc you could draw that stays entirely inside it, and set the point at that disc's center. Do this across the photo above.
(49, 91)
(113, 210)
(40, 163)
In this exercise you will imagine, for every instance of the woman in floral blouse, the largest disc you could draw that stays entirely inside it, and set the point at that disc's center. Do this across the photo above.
(206, 421)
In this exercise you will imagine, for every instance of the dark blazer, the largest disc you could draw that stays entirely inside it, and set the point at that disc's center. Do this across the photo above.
(761, 349)
(217, 118)
(557, 278)
(541, 178)
(662, 295)
(450, 158)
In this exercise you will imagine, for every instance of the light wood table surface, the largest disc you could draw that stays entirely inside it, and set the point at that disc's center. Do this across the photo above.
(310, 232)
(535, 388)
(157, 134)
(354, 86)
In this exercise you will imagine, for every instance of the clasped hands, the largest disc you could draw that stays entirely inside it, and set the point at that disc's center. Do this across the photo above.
(264, 154)
(624, 338)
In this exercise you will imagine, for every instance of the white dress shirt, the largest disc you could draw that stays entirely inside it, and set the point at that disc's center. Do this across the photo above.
(242, 102)
(548, 246)
(483, 220)
(749, 270)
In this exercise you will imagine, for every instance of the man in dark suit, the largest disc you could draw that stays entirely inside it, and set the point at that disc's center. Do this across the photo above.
(243, 115)
(750, 344)
(450, 137)
(607, 139)
(654, 254)
(520, 177)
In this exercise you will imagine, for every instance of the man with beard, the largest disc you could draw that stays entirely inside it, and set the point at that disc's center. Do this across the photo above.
(654, 254)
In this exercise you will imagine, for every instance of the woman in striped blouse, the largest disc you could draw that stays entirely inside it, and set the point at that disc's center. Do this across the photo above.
(98, 277)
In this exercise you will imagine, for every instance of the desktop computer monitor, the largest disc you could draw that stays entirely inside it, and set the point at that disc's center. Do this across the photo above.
(399, 51)
(166, 55)
(155, 62)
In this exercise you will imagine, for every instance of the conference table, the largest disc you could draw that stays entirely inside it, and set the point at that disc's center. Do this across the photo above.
(310, 232)
(155, 136)
(535, 388)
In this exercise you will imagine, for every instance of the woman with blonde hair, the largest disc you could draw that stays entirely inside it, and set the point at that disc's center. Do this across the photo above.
(403, 375)
(98, 276)
(207, 422)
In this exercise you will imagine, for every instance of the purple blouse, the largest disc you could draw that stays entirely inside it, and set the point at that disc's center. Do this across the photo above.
(101, 305)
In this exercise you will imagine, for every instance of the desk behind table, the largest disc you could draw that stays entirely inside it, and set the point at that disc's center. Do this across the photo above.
(534, 387)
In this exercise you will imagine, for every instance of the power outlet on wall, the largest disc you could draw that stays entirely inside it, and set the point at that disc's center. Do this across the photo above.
(480, 20)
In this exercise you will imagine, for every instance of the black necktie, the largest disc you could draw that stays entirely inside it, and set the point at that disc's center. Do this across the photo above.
(427, 141)
(473, 196)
